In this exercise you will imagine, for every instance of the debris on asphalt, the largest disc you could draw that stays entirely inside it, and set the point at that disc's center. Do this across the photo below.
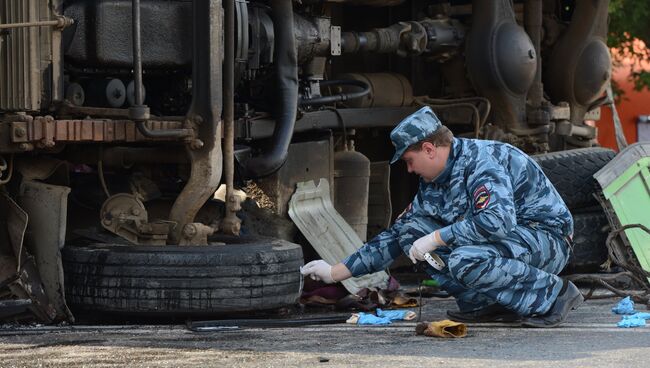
(627, 322)
(401, 301)
(444, 328)
(634, 320)
(625, 306)
(382, 317)
(397, 315)
(368, 319)
(430, 283)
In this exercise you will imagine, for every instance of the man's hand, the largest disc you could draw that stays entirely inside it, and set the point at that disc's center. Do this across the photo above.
(425, 244)
(318, 270)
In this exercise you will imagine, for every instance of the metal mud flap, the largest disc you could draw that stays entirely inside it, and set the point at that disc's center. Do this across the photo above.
(311, 209)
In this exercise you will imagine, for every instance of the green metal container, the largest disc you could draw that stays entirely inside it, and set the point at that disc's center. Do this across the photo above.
(626, 188)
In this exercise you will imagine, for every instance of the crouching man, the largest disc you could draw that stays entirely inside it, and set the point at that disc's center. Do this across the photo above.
(489, 212)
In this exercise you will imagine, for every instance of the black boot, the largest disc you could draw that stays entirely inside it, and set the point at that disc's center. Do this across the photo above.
(568, 299)
(491, 313)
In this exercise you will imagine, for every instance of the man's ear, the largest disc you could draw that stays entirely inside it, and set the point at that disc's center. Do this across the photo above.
(428, 148)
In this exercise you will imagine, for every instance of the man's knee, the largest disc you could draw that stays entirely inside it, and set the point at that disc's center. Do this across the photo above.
(466, 264)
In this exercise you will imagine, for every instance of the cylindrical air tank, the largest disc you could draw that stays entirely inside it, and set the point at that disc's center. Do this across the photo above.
(351, 179)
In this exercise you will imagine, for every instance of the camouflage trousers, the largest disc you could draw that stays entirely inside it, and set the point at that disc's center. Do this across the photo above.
(518, 272)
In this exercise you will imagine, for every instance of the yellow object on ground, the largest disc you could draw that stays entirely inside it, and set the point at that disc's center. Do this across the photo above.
(444, 328)
(402, 302)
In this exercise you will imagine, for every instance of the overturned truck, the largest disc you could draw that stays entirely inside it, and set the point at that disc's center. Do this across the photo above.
(119, 119)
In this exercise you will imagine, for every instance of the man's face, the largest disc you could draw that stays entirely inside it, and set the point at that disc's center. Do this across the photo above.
(424, 162)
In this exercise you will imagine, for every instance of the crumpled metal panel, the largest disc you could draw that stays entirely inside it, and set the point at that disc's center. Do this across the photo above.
(18, 271)
(311, 209)
(47, 206)
(12, 233)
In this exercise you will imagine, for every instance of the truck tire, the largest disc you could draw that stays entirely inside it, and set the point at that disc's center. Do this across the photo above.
(589, 236)
(255, 274)
(571, 172)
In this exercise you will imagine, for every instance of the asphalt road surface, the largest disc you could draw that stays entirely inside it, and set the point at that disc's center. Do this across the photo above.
(590, 338)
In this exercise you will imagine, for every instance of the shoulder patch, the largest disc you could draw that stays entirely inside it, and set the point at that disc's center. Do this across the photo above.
(481, 197)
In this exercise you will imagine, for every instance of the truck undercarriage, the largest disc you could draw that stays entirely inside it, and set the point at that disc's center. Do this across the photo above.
(119, 119)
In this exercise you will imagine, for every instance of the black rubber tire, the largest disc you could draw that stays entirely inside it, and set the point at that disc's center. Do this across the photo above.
(571, 172)
(589, 236)
(255, 274)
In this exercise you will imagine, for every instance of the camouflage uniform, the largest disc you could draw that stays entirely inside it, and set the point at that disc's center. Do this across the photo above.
(505, 225)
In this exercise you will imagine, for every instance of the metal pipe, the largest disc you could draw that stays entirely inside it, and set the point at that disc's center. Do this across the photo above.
(137, 53)
(140, 112)
(61, 22)
(340, 97)
(533, 23)
(231, 223)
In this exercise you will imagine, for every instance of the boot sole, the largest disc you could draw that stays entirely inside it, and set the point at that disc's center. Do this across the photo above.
(540, 322)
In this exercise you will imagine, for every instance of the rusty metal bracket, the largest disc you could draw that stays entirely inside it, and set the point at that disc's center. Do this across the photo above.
(46, 132)
(206, 157)
(125, 215)
(196, 233)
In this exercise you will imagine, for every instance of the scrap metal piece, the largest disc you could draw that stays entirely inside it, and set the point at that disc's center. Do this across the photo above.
(18, 271)
(125, 215)
(13, 223)
(311, 209)
(47, 207)
(28, 285)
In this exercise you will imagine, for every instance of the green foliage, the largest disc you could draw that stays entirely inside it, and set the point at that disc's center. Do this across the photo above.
(630, 20)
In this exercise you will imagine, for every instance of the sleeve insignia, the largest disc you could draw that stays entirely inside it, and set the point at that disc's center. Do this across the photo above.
(481, 197)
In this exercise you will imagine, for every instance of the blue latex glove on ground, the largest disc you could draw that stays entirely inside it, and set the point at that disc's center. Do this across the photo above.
(625, 306)
(635, 320)
(382, 318)
(631, 321)
(393, 315)
(371, 319)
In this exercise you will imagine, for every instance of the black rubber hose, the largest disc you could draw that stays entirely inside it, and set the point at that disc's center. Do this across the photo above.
(340, 97)
(286, 66)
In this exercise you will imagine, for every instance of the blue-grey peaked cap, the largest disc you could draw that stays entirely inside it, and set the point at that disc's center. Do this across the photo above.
(413, 129)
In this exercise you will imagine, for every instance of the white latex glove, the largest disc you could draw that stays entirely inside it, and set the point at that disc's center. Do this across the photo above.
(318, 270)
(425, 244)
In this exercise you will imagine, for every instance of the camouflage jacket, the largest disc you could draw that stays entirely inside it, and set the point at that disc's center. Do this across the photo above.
(486, 190)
